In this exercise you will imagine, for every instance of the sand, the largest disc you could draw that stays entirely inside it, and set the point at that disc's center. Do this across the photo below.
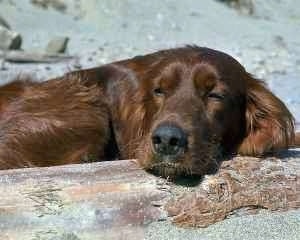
(267, 44)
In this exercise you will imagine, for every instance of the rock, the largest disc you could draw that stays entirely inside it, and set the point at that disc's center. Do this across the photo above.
(58, 5)
(40, 3)
(33, 57)
(76, 64)
(2, 65)
(9, 39)
(280, 42)
(4, 23)
(57, 45)
(243, 6)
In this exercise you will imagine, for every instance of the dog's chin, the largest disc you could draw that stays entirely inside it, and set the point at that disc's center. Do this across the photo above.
(168, 167)
(173, 172)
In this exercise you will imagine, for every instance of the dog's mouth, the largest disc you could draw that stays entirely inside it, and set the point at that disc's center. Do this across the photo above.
(183, 165)
(170, 169)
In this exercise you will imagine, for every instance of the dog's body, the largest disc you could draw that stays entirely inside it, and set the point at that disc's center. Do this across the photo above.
(178, 111)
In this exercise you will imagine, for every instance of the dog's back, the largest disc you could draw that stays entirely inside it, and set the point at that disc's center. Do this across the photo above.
(55, 122)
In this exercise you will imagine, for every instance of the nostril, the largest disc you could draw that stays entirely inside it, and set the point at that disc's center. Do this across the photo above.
(156, 140)
(169, 140)
(174, 141)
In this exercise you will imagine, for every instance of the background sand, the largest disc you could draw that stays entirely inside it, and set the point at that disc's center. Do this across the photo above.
(267, 43)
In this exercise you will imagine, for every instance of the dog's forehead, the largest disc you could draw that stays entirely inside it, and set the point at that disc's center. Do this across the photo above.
(183, 64)
(203, 74)
(196, 73)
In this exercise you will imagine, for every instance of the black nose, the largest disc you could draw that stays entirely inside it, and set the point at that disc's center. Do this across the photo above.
(169, 140)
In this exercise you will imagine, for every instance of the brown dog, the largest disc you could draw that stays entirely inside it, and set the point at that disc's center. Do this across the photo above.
(178, 111)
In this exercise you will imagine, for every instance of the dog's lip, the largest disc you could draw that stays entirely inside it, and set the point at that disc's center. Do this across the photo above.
(168, 159)
(173, 165)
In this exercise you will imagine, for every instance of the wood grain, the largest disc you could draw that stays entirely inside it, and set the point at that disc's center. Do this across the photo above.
(118, 199)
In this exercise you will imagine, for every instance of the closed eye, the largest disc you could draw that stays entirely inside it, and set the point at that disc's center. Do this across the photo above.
(158, 92)
(216, 96)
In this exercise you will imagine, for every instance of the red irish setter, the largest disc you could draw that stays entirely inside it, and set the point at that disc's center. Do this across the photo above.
(177, 111)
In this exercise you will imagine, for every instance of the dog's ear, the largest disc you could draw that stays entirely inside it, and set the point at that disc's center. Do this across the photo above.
(269, 124)
(102, 75)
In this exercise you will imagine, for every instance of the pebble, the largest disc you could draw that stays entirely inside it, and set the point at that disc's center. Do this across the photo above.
(4, 23)
(2, 65)
(194, 14)
(280, 42)
(243, 6)
(77, 64)
(59, 5)
(57, 45)
(9, 40)
(124, 25)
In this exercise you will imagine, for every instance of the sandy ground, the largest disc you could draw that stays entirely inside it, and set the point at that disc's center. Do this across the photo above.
(267, 44)
(276, 226)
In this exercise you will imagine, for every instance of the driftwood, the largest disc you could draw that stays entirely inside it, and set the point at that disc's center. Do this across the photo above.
(118, 199)
(242, 186)
(87, 201)
(32, 57)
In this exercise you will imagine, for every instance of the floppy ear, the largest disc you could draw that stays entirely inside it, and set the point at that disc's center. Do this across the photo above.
(269, 124)
(102, 75)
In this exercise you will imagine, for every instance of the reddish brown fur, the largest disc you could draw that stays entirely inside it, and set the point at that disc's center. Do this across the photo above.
(55, 122)
(111, 111)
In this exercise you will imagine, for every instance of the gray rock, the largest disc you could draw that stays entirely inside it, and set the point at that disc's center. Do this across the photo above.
(57, 45)
(2, 65)
(4, 23)
(58, 5)
(243, 6)
(9, 39)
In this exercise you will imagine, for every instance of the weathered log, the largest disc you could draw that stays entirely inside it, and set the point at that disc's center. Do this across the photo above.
(118, 199)
(33, 57)
(78, 201)
(242, 186)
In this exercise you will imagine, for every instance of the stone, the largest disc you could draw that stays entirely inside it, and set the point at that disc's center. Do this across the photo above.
(4, 23)
(9, 40)
(58, 5)
(3, 65)
(57, 45)
(243, 6)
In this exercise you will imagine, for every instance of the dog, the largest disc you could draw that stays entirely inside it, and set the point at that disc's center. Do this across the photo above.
(178, 111)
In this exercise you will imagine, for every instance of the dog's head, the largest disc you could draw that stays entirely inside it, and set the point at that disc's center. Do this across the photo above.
(179, 111)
